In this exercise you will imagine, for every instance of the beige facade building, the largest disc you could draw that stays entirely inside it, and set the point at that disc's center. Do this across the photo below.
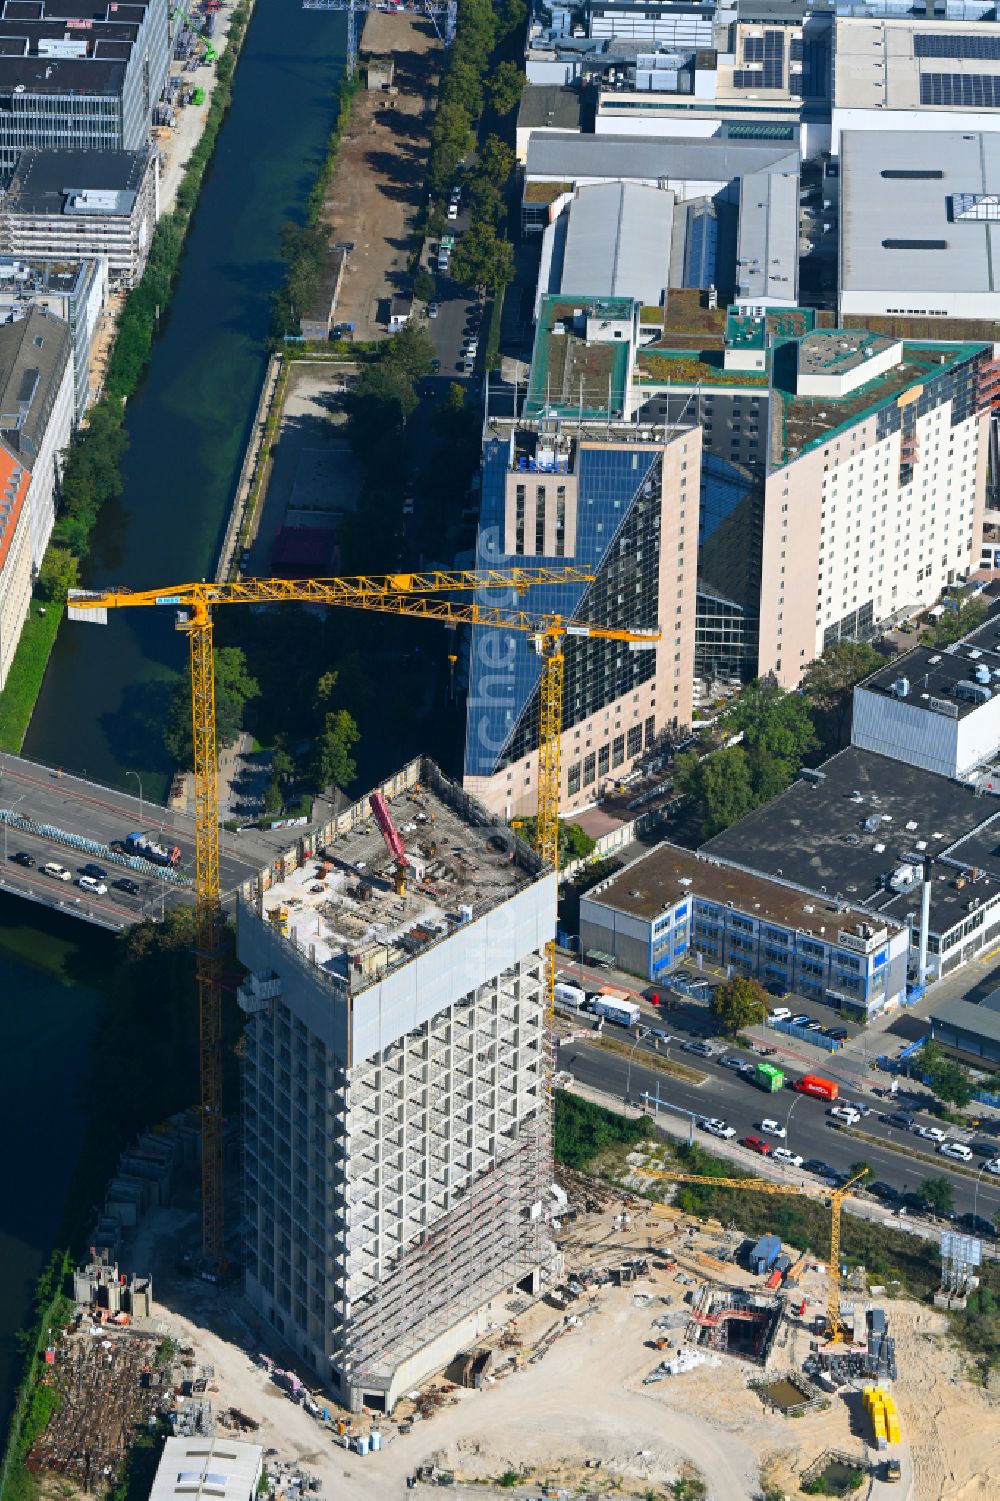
(624, 503)
(875, 491)
(15, 556)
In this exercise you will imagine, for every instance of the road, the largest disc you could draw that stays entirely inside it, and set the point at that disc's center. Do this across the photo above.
(89, 810)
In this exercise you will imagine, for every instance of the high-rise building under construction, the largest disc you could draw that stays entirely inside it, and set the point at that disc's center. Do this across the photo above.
(397, 1148)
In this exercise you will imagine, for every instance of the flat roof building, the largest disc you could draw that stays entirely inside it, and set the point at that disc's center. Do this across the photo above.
(79, 74)
(900, 72)
(396, 1134)
(82, 204)
(920, 223)
(36, 409)
(545, 107)
(208, 1469)
(617, 242)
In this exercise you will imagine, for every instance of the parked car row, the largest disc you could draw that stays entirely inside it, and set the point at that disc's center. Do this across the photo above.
(807, 1022)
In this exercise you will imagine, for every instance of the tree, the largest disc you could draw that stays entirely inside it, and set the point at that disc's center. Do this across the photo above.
(58, 574)
(333, 764)
(423, 285)
(949, 1080)
(496, 158)
(410, 352)
(482, 259)
(937, 1194)
(505, 87)
(574, 844)
(774, 723)
(741, 1003)
(234, 688)
(828, 682)
(861, 1166)
(956, 623)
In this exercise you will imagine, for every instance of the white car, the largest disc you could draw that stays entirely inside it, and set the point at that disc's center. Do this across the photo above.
(782, 1154)
(453, 211)
(993, 1166)
(90, 883)
(715, 1127)
(779, 1014)
(956, 1149)
(930, 1133)
(845, 1113)
(773, 1128)
(57, 872)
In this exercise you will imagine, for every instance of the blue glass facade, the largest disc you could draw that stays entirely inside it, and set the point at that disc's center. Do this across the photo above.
(617, 533)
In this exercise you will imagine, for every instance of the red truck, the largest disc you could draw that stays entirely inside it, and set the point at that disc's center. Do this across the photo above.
(824, 1089)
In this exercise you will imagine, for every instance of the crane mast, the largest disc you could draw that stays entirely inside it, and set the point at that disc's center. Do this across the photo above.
(424, 596)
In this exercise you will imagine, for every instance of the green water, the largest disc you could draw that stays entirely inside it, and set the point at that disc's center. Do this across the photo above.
(106, 689)
(50, 973)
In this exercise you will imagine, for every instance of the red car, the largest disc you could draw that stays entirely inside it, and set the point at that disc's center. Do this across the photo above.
(756, 1144)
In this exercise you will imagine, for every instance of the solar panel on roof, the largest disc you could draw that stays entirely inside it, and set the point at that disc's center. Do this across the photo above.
(928, 44)
(969, 90)
(753, 49)
(796, 49)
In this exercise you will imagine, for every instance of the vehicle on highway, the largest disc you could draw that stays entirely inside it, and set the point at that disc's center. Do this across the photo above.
(730, 1060)
(615, 1006)
(956, 1150)
(756, 1144)
(130, 887)
(883, 1191)
(845, 1113)
(930, 1133)
(433, 308)
(569, 994)
(772, 1128)
(780, 1014)
(715, 1127)
(790, 1159)
(57, 872)
(91, 869)
(23, 858)
(659, 1034)
(768, 1078)
(702, 1049)
(91, 883)
(983, 1148)
(992, 1167)
(820, 1168)
(901, 1119)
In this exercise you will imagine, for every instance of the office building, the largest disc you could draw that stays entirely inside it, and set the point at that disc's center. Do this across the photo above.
(573, 482)
(15, 556)
(74, 291)
(902, 72)
(973, 1027)
(80, 205)
(919, 222)
(673, 904)
(80, 76)
(546, 107)
(397, 1153)
(36, 411)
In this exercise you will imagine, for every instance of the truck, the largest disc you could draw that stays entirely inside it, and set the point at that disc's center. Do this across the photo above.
(569, 997)
(146, 846)
(769, 1078)
(823, 1089)
(625, 1013)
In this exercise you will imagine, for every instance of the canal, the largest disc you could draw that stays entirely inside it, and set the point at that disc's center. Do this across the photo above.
(106, 689)
(50, 974)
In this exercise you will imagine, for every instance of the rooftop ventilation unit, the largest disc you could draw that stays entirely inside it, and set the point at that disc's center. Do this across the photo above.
(901, 687)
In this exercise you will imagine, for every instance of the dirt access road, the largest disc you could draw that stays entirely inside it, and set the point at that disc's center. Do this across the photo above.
(378, 184)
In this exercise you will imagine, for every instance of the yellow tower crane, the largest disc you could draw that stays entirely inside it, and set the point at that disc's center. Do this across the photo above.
(836, 1326)
(424, 595)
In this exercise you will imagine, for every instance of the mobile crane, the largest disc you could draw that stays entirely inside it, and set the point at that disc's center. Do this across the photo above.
(423, 595)
(837, 1329)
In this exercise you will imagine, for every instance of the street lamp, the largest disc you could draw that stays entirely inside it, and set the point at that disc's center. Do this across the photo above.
(628, 1076)
(975, 1196)
(139, 780)
(20, 800)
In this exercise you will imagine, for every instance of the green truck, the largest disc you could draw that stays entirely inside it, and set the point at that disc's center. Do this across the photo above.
(767, 1077)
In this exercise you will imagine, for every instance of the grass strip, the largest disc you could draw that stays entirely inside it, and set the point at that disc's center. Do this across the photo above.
(24, 681)
(652, 1060)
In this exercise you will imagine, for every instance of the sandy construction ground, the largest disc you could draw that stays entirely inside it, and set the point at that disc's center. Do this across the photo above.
(578, 1395)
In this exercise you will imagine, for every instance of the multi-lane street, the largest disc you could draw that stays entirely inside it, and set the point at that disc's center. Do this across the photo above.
(896, 1155)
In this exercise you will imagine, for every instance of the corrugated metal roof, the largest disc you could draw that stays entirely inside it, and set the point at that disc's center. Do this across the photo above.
(618, 242)
(558, 157)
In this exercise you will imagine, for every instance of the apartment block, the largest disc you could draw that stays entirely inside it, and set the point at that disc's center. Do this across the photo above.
(79, 76)
(74, 291)
(81, 205)
(876, 486)
(36, 410)
(15, 556)
(395, 1121)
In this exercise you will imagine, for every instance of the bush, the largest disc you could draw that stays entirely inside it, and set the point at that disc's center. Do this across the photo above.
(584, 1130)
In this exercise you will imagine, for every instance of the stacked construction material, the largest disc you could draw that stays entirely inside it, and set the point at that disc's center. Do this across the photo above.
(882, 1410)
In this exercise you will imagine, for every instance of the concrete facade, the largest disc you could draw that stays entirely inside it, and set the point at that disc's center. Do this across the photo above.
(74, 291)
(397, 1150)
(15, 556)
